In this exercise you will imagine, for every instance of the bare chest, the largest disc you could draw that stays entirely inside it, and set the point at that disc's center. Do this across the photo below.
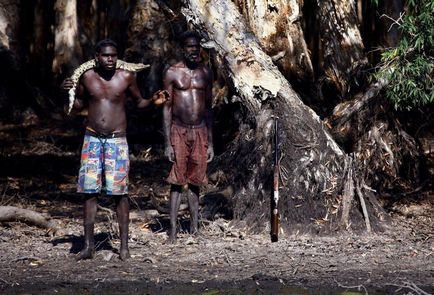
(98, 88)
(191, 79)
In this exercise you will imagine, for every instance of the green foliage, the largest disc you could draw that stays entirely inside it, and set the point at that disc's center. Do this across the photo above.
(410, 66)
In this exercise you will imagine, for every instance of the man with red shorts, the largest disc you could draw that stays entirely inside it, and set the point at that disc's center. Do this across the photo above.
(187, 125)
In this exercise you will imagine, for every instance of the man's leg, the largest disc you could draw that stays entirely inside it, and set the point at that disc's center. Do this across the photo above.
(123, 215)
(175, 201)
(193, 205)
(89, 212)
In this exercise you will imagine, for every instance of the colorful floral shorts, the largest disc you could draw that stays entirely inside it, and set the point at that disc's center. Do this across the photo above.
(104, 157)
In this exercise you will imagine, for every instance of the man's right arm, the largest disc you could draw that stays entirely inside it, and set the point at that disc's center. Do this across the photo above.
(167, 114)
(78, 102)
(67, 84)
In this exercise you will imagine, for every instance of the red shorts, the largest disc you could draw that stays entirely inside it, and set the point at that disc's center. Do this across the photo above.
(190, 146)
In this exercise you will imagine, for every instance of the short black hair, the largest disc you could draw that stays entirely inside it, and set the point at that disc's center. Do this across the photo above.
(188, 34)
(105, 43)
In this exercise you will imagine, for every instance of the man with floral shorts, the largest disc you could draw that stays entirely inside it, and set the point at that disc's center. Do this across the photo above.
(104, 156)
(104, 160)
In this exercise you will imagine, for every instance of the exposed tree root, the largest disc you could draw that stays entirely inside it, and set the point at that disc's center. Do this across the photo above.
(11, 213)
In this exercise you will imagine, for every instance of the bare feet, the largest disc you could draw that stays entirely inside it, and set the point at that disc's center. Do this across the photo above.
(86, 253)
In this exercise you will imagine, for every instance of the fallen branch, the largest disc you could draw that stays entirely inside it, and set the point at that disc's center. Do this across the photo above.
(11, 213)
(358, 287)
(345, 111)
(411, 286)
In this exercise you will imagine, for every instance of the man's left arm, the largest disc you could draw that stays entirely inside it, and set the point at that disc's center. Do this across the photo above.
(135, 92)
(209, 115)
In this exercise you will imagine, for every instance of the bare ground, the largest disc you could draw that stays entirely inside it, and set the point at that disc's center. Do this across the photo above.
(39, 169)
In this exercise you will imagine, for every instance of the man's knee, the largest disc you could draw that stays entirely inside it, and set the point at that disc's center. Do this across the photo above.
(121, 199)
(194, 189)
(89, 197)
(176, 188)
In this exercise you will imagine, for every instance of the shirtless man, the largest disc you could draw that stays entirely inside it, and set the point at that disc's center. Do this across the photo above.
(187, 125)
(104, 91)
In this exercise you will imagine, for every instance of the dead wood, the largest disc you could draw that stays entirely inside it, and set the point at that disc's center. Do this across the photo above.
(343, 112)
(11, 213)
(386, 155)
(312, 161)
(144, 215)
(348, 193)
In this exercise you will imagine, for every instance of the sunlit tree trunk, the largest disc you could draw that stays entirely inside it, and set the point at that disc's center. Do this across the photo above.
(342, 46)
(317, 176)
(67, 50)
(277, 25)
(10, 24)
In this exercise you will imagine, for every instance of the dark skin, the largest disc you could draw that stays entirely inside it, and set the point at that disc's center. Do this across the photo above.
(189, 84)
(105, 91)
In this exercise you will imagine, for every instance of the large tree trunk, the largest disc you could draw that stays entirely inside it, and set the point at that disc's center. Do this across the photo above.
(149, 33)
(88, 14)
(277, 26)
(378, 25)
(40, 45)
(342, 47)
(314, 170)
(11, 92)
(67, 49)
(9, 24)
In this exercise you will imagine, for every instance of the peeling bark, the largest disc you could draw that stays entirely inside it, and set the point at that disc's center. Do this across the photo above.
(277, 26)
(342, 45)
(67, 50)
(387, 157)
(9, 24)
(312, 163)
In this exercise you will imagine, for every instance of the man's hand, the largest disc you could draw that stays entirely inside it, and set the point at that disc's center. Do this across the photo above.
(170, 153)
(160, 97)
(66, 84)
(210, 153)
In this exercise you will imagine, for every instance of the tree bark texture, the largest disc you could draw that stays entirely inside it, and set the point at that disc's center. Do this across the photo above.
(342, 46)
(149, 40)
(277, 25)
(312, 163)
(10, 24)
(67, 49)
(365, 126)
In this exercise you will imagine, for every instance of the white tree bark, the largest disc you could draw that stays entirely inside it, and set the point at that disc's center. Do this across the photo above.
(9, 24)
(276, 24)
(312, 161)
(67, 50)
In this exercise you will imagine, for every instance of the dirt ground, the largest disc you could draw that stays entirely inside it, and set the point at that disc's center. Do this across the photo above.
(39, 166)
